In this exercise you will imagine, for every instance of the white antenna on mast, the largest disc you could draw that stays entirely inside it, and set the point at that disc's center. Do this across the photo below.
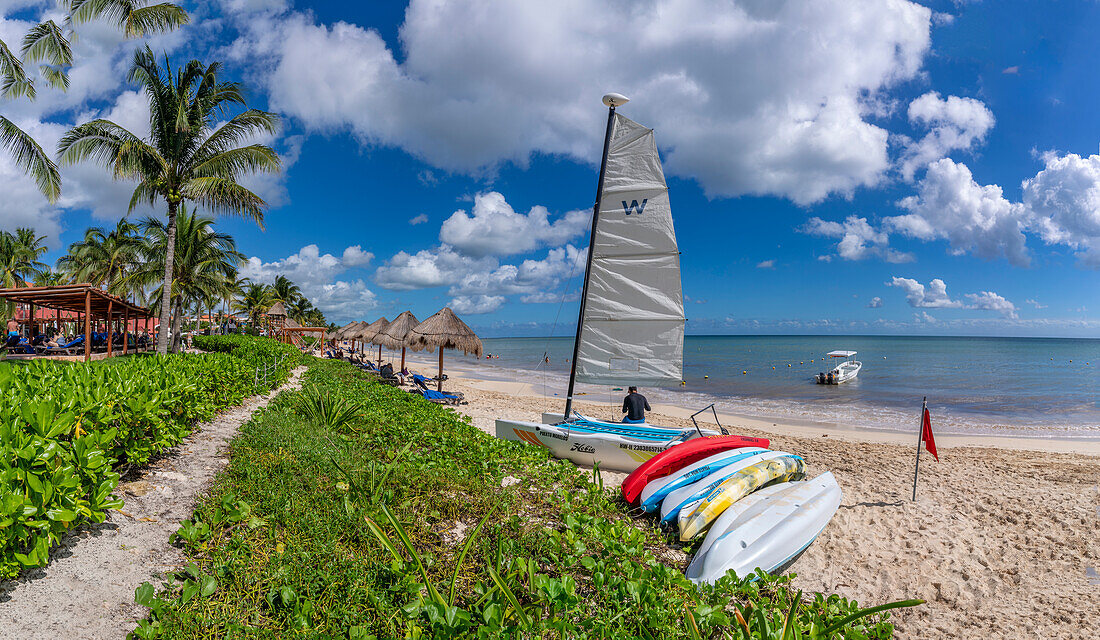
(615, 100)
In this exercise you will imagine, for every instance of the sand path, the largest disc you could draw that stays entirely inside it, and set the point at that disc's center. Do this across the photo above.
(1001, 543)
(87, 590)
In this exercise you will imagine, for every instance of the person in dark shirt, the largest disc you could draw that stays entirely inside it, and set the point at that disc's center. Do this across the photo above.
(634, 406)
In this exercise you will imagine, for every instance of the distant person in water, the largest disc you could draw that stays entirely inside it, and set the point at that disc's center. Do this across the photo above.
(634, 406)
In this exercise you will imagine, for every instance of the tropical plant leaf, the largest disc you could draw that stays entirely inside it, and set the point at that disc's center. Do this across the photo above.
(45, 42)
(30, 157)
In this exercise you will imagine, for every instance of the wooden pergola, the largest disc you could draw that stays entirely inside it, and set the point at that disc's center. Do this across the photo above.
(88, 303)
(290, 327)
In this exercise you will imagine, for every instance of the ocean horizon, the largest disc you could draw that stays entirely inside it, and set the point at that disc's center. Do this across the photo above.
(975, 385)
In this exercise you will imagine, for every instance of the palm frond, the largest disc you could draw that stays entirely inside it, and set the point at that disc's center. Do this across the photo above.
(55, 76)
(14, 82)
(109, 145)
(30, 157)
(45, 42)
(255, 158)
(131, 16)
(224, 196)
(238, 129)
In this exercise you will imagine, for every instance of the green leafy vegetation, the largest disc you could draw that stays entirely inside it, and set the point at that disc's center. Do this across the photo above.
(407, 522)
(67, 430)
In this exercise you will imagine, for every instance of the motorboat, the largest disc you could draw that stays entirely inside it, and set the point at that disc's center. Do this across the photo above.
(846, 371)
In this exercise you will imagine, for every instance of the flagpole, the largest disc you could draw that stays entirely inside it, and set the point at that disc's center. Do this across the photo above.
(920, 440)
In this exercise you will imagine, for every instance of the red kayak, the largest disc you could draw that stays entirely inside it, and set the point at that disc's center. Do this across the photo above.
(679, 456)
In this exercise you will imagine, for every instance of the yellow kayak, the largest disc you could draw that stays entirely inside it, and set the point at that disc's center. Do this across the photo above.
(695, 521)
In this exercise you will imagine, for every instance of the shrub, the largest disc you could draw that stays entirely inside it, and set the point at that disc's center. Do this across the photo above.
(400, 525)
(67, 429)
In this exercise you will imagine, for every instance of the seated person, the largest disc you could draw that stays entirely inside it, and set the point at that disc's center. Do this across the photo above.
(634, 406)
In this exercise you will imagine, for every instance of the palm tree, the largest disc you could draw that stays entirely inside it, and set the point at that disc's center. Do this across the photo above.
(255, 300)
(298, 309)
(48, 43)
(205, 261)
(49, 278)
(104, 258)
(185, 157)
(19, 253)
(284, 290)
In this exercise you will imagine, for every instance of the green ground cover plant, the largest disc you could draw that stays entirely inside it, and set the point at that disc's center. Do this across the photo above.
(404, 521)
(67, 431)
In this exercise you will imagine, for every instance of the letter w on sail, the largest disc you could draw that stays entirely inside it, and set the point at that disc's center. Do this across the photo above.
(634, 206)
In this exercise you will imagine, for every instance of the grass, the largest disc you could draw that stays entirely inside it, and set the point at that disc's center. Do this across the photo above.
(397, 523)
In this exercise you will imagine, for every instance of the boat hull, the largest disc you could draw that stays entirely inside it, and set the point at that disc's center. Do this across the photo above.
(696, 520)
(680, 456)
(767, 530)
(846, 372)
(622, 449)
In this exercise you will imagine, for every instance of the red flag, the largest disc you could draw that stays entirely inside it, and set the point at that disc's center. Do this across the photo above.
(926, 435)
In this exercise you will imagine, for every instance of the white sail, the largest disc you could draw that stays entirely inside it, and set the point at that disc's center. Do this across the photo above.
(632, 331)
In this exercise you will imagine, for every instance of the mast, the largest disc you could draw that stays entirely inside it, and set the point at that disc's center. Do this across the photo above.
(611, 100)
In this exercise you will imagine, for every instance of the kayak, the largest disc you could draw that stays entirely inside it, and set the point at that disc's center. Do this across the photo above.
(768, 529)
(682, 455)
(695, 520)
(658, 489)
(687, 496)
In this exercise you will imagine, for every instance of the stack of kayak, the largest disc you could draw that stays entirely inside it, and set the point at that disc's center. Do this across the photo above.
(753, 505)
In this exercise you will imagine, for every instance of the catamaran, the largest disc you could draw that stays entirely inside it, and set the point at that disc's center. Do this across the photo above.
(843, 372)
(630, 330)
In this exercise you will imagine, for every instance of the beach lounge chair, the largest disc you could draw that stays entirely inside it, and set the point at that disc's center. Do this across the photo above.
(438, 397)
(435, 396)
(68, 349)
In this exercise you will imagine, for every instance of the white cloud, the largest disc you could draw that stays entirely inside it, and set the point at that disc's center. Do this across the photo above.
(420, 219)
(439, 266)
(858, 239)
(934, 296)
(989, 301)
(494, 228)
(875, 303)
(973, 218)
(476, 304)
(354, 256)
(924, 317)
(765, 264)
(1035, 303)
(763, 98)
(953, 124)
(530, 277)
(1064, 200)
(316, 274)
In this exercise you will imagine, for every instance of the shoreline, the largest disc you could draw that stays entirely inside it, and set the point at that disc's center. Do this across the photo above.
(466, 372)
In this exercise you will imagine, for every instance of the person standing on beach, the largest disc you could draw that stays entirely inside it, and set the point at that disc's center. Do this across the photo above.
(634, 406)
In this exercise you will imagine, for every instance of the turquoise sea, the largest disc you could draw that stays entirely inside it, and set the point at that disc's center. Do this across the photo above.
(1037, 387)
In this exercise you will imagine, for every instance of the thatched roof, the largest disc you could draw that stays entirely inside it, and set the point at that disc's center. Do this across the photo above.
(445, 330)
(394, 334)
(341, 333)
(370, 330)
(277, 309)
(291, 322)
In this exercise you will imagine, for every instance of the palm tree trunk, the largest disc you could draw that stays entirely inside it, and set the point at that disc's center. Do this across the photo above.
(177, 322)
(166, 288)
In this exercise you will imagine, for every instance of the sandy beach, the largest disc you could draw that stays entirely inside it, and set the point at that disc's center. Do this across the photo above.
(1001, 541)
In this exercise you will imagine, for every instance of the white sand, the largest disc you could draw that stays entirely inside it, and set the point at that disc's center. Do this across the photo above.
(1002, 540)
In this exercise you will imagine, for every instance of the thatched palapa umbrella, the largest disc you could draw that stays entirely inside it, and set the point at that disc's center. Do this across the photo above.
(396, 333)
(352, 332)
(367, 333)
(444, 330)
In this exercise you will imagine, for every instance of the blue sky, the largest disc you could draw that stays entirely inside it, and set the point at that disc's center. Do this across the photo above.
(834, 167)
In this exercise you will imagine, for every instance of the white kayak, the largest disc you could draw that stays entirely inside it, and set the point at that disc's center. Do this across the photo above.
(767, 529)
(657, 489)
(689, 495)
(616, 446)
